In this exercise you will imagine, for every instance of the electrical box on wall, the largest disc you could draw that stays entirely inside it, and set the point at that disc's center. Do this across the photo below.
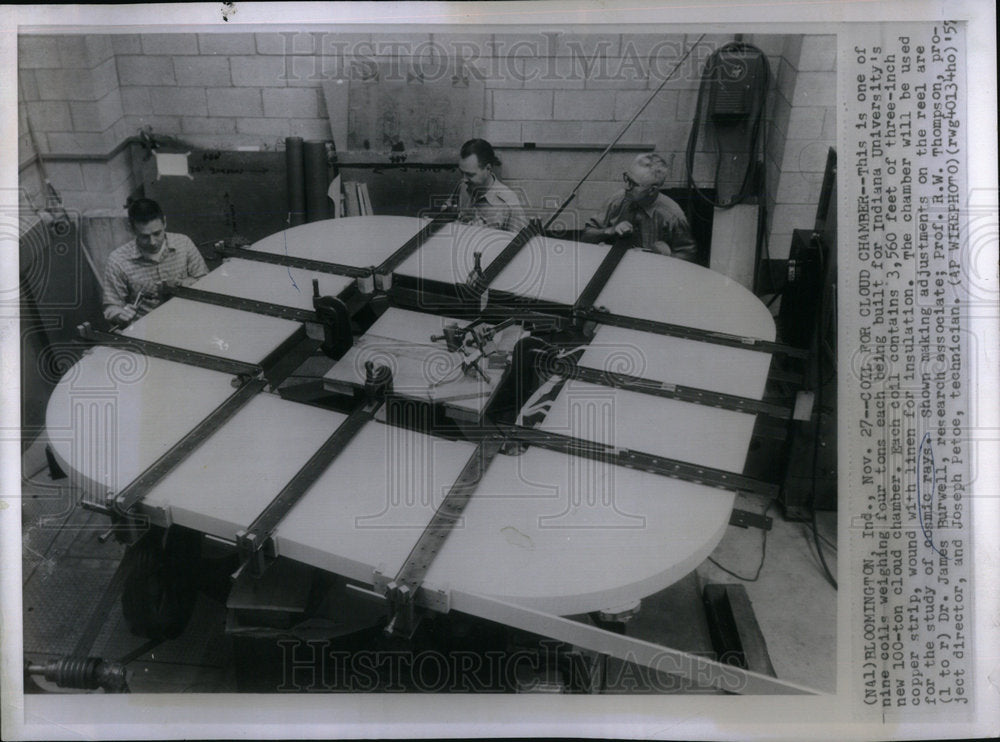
(734, 78)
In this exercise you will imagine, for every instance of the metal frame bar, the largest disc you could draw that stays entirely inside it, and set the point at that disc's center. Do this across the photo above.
(390, 264)
(679, 392)
(247, 305)
(130, 496)
(639, 460)
(252, 541)
(690, 333)
(401, 590)
(291, 261)
(699, 671)
(702, 672)
(404, 297)
(601, 277)
(170, 353)
(501, 261)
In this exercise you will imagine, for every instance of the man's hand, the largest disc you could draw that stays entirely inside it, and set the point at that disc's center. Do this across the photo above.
(662, 247)
(163, 287)
(621, 229)
(124, 315)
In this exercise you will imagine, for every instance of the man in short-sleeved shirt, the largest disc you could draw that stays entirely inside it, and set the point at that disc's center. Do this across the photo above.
(137, 272)
(642, 214)
(482, 198)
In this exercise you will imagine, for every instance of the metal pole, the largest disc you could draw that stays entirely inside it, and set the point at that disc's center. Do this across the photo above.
(621, 133)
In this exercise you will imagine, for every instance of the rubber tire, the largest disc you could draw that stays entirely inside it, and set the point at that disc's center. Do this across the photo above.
(160, 588)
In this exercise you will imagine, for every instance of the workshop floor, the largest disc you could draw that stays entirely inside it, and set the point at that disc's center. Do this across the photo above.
(66, 569)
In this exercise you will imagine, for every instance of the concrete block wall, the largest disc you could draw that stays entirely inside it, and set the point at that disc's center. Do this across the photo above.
(68, 92)
(801, 131)
(564, 87)
(229, 90)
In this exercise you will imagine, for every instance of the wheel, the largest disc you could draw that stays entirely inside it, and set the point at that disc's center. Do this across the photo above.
(161, 587)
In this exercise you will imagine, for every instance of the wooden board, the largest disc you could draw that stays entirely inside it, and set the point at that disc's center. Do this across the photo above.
(567, 535)
(357, 241)
(648, 286)
(540, 530)
(114, 413)
(276, 284)
(412, 107)
(715, 368)
(207, 328)
(421, 369)
(551, 270)
(234, 475)
(543, 527)
(371, 505)
(448, 256)
(707, 436)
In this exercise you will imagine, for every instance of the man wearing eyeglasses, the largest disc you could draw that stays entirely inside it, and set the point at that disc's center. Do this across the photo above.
(642, 215)
(137, 272)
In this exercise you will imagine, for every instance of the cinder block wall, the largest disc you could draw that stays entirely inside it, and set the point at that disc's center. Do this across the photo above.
(803, 128)
(68, 89)
(87, 94)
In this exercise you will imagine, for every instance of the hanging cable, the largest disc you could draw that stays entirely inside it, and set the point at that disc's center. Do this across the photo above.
(722, 99)
(763, 553)
(716, 70)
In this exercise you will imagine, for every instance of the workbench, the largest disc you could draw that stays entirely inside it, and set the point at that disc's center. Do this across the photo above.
(624, 489)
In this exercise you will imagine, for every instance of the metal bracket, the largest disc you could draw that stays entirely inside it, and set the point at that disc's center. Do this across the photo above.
(336, 319)
(746, 519)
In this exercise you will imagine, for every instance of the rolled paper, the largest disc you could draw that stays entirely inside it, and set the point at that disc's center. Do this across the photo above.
(296, 181)
(317, 182)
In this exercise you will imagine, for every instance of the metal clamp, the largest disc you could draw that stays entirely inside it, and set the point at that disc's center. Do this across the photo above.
(335, 317)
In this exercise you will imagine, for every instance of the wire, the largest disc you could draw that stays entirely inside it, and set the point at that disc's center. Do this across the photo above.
(754, 182)
(746, 186)
(763, 553)
(828, 542)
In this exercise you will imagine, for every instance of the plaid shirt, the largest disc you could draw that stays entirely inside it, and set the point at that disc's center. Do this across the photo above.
(129, 273)
(661, 221)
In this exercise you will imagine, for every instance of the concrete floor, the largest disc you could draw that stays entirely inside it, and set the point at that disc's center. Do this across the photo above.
(66, 569)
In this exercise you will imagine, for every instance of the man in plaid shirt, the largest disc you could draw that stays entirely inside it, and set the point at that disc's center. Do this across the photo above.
(643, 216)
(137, 272)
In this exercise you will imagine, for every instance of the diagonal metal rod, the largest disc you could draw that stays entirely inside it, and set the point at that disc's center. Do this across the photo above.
(621, 133)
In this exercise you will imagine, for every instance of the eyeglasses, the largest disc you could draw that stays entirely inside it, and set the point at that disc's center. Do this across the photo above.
(630, 184)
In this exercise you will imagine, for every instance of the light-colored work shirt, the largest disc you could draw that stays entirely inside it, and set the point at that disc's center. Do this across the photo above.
(661, 221)
(130, 274)
(496, 206)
